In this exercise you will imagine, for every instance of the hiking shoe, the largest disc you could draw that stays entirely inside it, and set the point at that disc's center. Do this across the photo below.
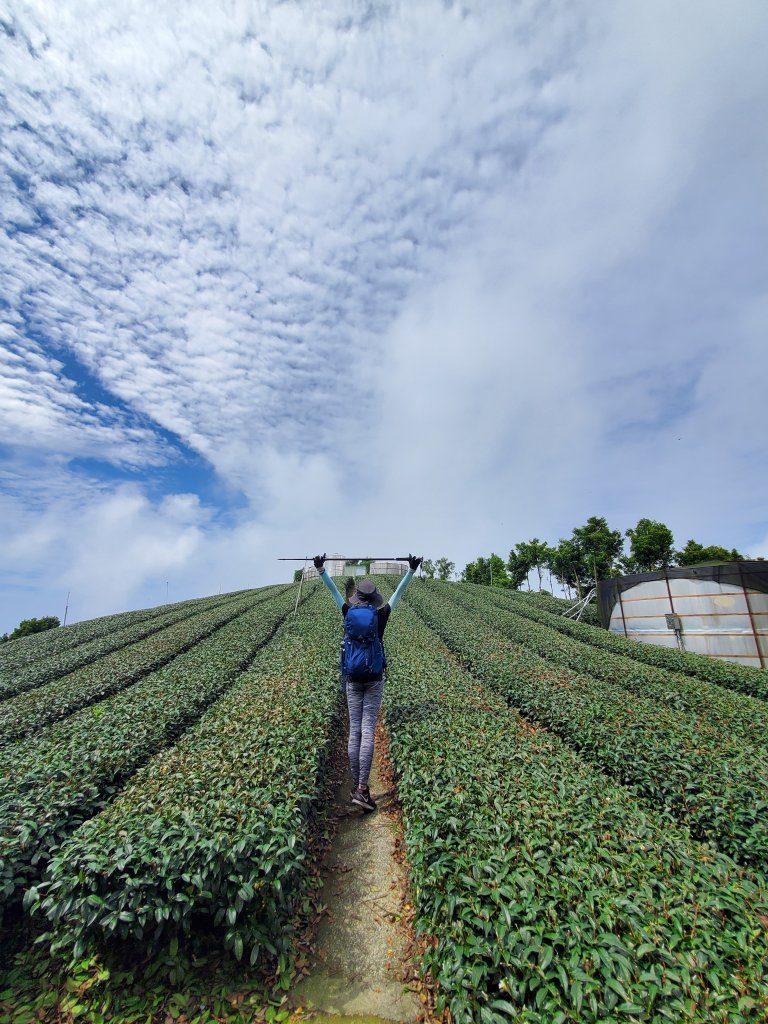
(362, 797)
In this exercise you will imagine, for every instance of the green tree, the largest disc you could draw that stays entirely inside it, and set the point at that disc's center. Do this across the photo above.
(566, 565)
(693, 552)
(597, 548)
(487, 572)
(651, 547)
(29, 626)
(518, 567)
(535, 554)
(445, 568)
(297, 575)
(428, 568)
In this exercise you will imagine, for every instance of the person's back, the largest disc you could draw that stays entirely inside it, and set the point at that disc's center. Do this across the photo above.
(363, 663)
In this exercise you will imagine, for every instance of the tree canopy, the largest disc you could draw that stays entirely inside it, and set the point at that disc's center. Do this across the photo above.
(444, 568)
(593, 552)
(652, 547)
(694, 552)
(29, 626)
(488, 571)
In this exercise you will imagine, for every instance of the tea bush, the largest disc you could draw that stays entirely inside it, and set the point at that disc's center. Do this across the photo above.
(742, 678)
(545, 892)
(25, 650)
(55, 780)
(28, 712)
(53, 666)
(556, 605)
(710, 780)
(733, 712)
(213, 833)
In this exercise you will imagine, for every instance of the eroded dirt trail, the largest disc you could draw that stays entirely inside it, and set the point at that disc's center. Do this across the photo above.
(363, 944)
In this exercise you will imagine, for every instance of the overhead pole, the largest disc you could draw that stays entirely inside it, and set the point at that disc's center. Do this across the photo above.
(351, 558)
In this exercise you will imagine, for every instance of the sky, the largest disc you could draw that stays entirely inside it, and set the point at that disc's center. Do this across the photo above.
(372, 278)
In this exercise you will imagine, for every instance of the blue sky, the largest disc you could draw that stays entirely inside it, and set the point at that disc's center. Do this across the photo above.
(282, 277)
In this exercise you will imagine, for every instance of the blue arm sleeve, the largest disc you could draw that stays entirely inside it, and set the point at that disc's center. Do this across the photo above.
(400, 589)
(332, 587)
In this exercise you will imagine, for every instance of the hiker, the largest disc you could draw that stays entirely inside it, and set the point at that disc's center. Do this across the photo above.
(363, 664)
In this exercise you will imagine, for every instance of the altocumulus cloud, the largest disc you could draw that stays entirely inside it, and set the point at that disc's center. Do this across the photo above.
(428, 274)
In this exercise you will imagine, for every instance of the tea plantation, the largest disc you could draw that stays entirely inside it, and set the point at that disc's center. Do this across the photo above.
(585, 818)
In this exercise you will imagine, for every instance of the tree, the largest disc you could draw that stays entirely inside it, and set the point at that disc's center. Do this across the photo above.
(694, 552)
(487, 572)
(567, 567)
(597, 548)
(428, 568)
(445, 568)
(297, 575)
(518, 567)
(29, 626)
(651, 547)
(534, 553)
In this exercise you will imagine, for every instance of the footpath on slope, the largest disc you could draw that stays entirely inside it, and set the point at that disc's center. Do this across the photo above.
(363, 969)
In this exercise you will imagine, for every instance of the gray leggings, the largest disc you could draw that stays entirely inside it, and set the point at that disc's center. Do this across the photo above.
(363, 701)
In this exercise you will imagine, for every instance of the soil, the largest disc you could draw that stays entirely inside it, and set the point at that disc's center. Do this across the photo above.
(364, 966)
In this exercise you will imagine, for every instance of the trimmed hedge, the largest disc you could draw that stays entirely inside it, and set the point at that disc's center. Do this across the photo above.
(708, 779)
(52, 782)
(43, 670)
(733, 712)
(546, 892)
(23, 651)
(28, 712)
(549, 603)
(742, 678)
(213, 833)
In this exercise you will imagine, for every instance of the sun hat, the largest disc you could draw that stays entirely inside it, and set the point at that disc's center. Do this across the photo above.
(367, 593)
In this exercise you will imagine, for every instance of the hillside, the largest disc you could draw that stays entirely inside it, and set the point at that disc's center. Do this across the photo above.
(584, 818)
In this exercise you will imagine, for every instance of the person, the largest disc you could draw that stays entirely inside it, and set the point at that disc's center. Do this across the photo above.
(364, 698)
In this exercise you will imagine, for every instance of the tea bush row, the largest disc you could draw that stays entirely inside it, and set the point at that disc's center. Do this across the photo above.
(52, 782)
(25, 650)
(735, 713)
(43, 670)
(544, 891)
(28, 712)
(549, 603)
(742, 678)
(705, 777)
(213, 833)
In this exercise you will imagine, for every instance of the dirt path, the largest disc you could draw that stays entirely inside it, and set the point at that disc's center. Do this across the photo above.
(362, 947)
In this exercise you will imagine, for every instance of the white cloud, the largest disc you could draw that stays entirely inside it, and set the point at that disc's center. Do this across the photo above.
(111, 549)
(434, 277)
(261, 183)
(40, 410)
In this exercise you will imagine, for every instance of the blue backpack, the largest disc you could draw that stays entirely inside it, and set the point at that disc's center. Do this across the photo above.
(362, 653)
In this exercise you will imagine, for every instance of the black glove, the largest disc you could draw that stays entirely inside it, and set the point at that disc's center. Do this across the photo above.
(318, 560)
(414, 562)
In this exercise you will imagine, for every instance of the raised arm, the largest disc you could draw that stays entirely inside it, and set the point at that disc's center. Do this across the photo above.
(414, 564)
(319, 561)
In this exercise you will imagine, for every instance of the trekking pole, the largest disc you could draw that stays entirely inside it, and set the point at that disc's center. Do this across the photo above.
(349, 558)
